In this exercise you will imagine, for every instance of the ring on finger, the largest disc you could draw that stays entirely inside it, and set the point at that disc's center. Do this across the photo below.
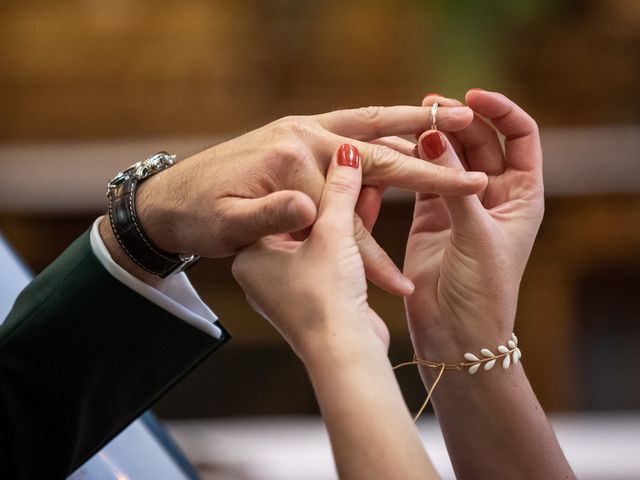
(434, 115)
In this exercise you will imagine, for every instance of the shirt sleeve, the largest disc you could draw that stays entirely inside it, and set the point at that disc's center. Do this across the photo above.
(174, 294)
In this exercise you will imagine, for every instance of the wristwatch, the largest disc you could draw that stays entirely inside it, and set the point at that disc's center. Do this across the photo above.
(121, 192)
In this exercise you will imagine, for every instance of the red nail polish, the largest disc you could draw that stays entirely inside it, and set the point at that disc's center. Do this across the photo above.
(348, 156)
(433, 144)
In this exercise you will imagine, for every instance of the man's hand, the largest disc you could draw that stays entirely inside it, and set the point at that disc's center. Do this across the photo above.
(271, 179)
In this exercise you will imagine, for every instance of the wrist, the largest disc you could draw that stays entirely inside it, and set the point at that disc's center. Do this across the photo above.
(158, 213)
(445, 341)
(119, 256)
(339, 347)
(128, 216)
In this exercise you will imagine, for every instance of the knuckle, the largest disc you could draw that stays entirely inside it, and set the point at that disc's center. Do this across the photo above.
(386, 159)
(534, 125)
(372, 115)
(289, 150)
(380, 259)
(360, 233)
(343, 184)
(293, 125)
(377, 259)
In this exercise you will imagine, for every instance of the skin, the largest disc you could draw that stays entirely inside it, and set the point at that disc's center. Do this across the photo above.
(466, 256)
(343, 343)
(270, 181)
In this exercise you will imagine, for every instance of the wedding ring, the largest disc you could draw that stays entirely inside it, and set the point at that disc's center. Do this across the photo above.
(434, 114)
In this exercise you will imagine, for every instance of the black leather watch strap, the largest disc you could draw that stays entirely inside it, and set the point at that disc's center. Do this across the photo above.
(131, 236)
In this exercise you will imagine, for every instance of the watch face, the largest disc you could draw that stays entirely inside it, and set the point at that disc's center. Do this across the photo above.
(119, 179)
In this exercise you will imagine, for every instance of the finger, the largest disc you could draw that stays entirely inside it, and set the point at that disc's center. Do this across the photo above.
(378, 266)
(368, 123)
(337, 205)
(279, 212)
(383, 166)
(458, 148)
(463, 210)
(341, 190)
(253, 268)
(399, 144)
(522, 138)
(244, 262)
(480, 142)
(368, 206)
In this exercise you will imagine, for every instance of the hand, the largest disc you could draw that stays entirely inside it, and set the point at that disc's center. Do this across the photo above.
(270, 181)
(315, 291)
(466, 255)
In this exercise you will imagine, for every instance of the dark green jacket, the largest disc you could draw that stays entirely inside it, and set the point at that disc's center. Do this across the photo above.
(82, 356)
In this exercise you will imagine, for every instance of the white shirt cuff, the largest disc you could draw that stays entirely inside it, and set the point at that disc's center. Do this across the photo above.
(175, 294)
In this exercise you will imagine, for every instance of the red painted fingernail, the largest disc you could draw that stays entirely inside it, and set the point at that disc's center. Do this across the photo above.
(433, 144)
(348, 156)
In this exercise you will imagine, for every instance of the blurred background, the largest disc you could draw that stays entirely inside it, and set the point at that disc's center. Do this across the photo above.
(87, 87)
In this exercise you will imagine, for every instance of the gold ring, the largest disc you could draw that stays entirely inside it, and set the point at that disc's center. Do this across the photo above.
(434, 114)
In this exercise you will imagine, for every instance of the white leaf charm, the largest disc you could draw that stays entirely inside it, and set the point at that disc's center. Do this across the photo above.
(514, 338)
(489, 365)
(474, 368)
(506, 362)
(503, 349)
(487, 353)
(471, 357)
(515, 356)
(519, 353)
(511, 344)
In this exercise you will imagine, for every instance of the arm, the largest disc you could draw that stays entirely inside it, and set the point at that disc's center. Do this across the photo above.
(342, 342)
(66, 330)
(466, 256)
(72, 364)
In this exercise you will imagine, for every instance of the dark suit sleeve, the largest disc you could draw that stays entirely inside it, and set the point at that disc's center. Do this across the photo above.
(82, 356)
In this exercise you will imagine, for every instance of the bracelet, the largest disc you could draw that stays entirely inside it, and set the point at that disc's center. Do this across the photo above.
(510, 354)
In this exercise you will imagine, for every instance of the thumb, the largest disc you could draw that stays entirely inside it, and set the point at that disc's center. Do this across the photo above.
(341, 190)
(250, 219)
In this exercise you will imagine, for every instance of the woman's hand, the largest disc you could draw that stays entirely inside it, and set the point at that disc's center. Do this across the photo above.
(466, 254)
(315, 291)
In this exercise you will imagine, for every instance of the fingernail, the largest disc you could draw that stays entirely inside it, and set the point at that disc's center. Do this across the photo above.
(432, 95)
(348, 156)
(433, 144)
(476, 90)
(407, 285)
